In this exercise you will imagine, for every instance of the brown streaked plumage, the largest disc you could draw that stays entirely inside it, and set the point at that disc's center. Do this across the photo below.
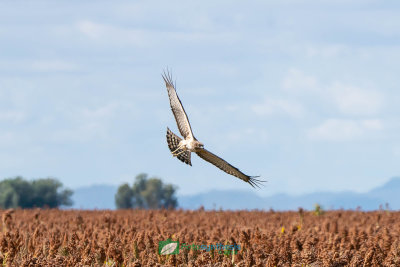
(173, 144)
(182, 148)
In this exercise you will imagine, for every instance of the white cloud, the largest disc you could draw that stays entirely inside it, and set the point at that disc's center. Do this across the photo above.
(100, 113)
(81, 133)
(87, 123)
(372, 124)
(344, 130)
(345, 98)
(28, 65)
(297, 81)
(353, 100)
(7, 139)
(53, 65)
(327, 50)
(110, 33)
(120, 35)
(91, 29)
(12, 116)
(240, 136)
(396, 151)
(244, 134)
(279, 106)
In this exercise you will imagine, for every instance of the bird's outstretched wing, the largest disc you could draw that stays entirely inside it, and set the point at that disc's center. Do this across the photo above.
(173, 144)
(228, 168)
(176, 105)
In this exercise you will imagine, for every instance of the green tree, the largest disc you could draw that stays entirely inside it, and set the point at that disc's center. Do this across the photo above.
(123, 198)
(46, 193)
(8, 196)
(138, 187)
(153, 194)
(18, 192)
(146, 193)
(169, 198)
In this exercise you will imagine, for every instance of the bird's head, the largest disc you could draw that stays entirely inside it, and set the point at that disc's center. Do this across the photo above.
(200, 145)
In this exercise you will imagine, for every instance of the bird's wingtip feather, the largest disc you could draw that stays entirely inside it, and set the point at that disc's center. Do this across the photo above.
(166, 75)
(255, 182)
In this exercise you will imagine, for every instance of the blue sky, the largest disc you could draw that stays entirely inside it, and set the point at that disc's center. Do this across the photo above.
(303, 93)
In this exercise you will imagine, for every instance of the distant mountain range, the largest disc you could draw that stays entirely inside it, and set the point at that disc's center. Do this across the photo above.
(95, 197)
(102, 197)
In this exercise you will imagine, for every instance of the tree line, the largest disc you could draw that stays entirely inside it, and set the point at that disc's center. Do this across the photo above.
(145, 193)
(20, 193)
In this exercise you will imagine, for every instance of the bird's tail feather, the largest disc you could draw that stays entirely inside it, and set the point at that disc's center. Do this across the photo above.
(173, 143)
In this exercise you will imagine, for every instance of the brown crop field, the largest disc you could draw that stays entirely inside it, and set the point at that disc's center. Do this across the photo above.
(238, 238)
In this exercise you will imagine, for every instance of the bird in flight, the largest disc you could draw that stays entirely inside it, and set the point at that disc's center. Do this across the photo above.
(182, 148)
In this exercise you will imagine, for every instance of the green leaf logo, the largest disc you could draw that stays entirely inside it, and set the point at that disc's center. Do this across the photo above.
(168, 247)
